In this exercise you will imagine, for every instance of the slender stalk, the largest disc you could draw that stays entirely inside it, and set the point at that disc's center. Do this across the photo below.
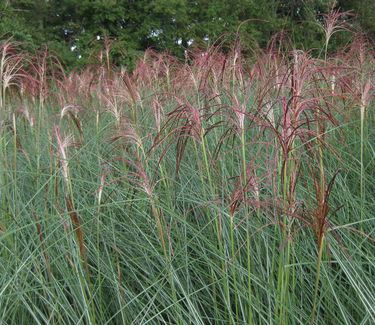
(14, 148)
(317, 278)
(233, 262)
(248, 238)
(362, 177)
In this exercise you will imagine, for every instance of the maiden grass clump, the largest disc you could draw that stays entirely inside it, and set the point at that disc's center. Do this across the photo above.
(218, 190)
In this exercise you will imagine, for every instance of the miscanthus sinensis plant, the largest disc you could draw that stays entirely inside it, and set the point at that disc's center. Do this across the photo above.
(216, 190)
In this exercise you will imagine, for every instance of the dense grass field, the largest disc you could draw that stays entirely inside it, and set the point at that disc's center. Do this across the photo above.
(217, 190)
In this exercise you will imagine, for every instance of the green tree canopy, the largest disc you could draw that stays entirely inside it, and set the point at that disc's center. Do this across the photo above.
(75, 29)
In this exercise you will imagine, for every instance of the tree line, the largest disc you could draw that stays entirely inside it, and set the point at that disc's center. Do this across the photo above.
(74, 29)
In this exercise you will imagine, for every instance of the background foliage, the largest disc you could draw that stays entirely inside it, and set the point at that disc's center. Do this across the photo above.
(75, 29)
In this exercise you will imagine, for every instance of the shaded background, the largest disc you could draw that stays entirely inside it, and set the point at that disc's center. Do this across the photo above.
(74, 29)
